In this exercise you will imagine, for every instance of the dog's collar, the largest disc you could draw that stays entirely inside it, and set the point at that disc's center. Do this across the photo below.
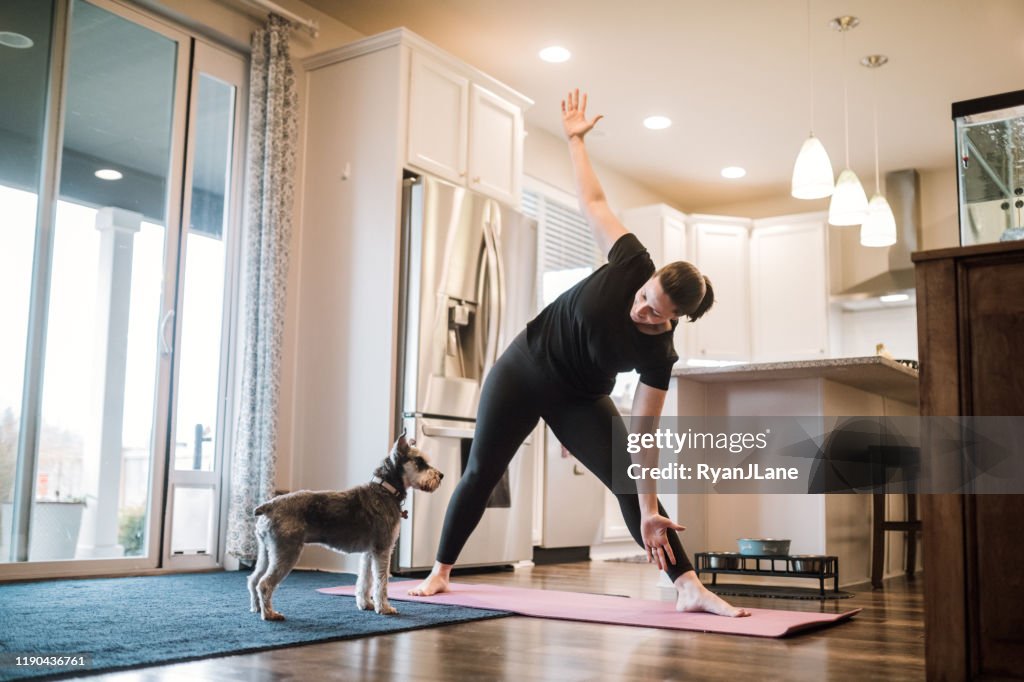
(391, 489)
(387, 486)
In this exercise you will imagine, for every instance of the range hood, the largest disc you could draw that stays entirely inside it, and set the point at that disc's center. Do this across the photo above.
(902, 189)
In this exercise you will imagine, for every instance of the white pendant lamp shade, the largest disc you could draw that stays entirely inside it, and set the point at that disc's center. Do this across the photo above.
(880, 227)
(849, 205)
(812, 172)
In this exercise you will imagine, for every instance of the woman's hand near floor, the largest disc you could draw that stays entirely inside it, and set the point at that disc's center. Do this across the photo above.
(655, 528)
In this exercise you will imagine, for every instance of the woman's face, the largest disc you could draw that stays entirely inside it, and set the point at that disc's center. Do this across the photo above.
(651, 305)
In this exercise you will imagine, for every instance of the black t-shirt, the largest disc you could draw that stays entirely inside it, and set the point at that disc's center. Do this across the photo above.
(586, 337)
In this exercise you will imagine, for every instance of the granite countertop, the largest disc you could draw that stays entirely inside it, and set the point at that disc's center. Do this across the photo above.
(872, 373)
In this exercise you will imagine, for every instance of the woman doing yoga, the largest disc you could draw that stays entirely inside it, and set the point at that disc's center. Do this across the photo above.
(562, 368)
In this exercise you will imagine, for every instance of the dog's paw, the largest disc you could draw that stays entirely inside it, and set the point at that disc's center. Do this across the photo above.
(364, 603)
(273, 615)
(386, 609)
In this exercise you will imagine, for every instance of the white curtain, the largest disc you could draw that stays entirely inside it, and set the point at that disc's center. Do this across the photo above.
(271, 149)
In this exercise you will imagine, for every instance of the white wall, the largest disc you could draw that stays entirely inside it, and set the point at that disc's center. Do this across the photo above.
(939, 226)
(546, 157)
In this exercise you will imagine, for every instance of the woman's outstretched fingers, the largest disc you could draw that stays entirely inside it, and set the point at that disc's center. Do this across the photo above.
(671, 555)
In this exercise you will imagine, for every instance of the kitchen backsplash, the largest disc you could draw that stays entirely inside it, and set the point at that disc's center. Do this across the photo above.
(860, 331)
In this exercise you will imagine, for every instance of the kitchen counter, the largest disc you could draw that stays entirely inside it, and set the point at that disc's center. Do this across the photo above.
(837, 525)
(872, 373)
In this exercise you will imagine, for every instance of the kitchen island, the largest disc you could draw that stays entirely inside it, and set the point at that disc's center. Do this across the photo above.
(836, 524)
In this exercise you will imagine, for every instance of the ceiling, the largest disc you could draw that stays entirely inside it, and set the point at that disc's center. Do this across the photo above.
(733, 76)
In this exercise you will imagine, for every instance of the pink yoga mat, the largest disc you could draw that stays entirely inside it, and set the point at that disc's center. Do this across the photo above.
(600, 608)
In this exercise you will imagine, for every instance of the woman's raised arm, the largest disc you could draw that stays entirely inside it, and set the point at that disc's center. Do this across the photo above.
(593, 204)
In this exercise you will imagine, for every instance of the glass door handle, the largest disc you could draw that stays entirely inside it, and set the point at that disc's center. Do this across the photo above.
(165, 347)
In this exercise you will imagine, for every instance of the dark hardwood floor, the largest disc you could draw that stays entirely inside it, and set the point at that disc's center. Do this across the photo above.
(883, 642)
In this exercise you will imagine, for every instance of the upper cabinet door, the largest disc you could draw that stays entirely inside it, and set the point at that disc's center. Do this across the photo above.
(673, 241)
(721, 253)
(495, 146)
(438, 118)
(789, 291)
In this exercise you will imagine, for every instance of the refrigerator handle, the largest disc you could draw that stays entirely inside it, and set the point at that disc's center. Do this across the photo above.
(494, 290)
(499, 257)
(483, 310)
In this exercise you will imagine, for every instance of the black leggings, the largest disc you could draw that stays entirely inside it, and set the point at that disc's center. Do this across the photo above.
(516, 394)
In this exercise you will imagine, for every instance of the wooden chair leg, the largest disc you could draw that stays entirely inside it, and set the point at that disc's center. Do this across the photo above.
(911, 537)
(877, 539)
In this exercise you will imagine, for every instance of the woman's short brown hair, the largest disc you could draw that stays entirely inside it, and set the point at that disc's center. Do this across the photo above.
(689, 290)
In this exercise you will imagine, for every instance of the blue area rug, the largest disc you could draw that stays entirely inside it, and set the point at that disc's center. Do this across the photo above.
(133, 622)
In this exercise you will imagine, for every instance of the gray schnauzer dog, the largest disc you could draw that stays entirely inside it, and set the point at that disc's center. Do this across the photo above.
(364, 519)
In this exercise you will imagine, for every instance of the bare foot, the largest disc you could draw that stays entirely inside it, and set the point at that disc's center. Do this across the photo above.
(696, 597)
(432, 584)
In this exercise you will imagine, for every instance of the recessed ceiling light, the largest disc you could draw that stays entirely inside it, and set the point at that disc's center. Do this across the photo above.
(15, 40)
(733, 172)
(555, 54)
(893, 298)
(108, 174)
(657, 122)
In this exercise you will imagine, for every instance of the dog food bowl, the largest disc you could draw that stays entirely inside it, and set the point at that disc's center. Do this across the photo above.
(808, 563)
(763, 546)
(724, 560)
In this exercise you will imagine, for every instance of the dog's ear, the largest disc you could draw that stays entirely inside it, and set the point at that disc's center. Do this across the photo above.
(402, 445)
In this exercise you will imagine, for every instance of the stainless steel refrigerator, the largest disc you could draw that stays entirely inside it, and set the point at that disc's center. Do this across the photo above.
(468, 269)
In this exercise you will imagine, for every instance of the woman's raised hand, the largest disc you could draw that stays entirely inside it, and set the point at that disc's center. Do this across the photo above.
(574, 115)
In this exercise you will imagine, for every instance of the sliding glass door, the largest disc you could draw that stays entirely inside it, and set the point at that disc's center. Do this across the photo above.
(117, 259)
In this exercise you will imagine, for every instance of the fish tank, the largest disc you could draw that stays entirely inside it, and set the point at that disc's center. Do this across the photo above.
(990, 167)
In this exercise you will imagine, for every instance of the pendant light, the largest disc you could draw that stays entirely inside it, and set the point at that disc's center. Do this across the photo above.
(849, 205)
(880, 227)
(812, 172)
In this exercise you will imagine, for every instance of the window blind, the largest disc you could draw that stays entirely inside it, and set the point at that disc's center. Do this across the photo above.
(566, 242)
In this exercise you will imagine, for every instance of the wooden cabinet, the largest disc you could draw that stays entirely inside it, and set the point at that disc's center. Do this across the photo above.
(721, 251)
(970, 317)
(789, 288)
(463, 130)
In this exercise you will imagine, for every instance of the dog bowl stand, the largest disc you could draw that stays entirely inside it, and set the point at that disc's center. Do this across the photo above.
(775, 565)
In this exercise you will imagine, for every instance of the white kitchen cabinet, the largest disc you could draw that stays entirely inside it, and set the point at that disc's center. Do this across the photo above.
(495, 145)
(461, 129)
(721, 251)
(662, 230)
(789, 288)
(438, 118)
